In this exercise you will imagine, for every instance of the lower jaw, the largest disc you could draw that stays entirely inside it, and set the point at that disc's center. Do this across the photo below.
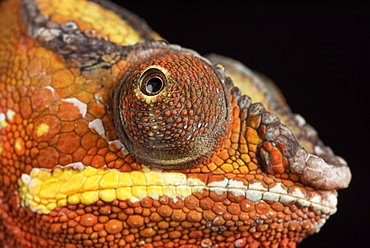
(154, 207)
(191, 220)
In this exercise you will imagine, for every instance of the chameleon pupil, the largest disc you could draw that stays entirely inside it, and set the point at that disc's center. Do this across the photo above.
(152, 81)
(154, 85)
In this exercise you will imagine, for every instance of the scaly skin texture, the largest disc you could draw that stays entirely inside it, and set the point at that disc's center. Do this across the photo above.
(109, 138)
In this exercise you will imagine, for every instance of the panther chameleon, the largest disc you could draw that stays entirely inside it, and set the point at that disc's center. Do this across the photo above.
(112, 137)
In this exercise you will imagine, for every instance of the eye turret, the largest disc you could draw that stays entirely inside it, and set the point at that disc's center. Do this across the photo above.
(172, 111)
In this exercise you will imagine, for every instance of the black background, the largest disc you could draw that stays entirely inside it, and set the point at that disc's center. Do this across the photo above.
(319, 56)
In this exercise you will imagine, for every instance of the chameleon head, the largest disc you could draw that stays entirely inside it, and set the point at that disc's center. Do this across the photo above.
(237, 175)
(172, 110)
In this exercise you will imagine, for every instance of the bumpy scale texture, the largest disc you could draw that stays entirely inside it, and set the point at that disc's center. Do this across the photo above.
(182, 122)
(112, 138)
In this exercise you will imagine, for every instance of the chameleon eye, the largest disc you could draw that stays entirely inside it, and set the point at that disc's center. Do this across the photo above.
(172, 111)
(152, 81)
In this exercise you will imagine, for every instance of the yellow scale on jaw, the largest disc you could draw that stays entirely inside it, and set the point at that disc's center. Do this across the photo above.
(42, 190)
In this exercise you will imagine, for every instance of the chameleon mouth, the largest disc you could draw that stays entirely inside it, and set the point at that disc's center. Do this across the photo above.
(44, 190)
